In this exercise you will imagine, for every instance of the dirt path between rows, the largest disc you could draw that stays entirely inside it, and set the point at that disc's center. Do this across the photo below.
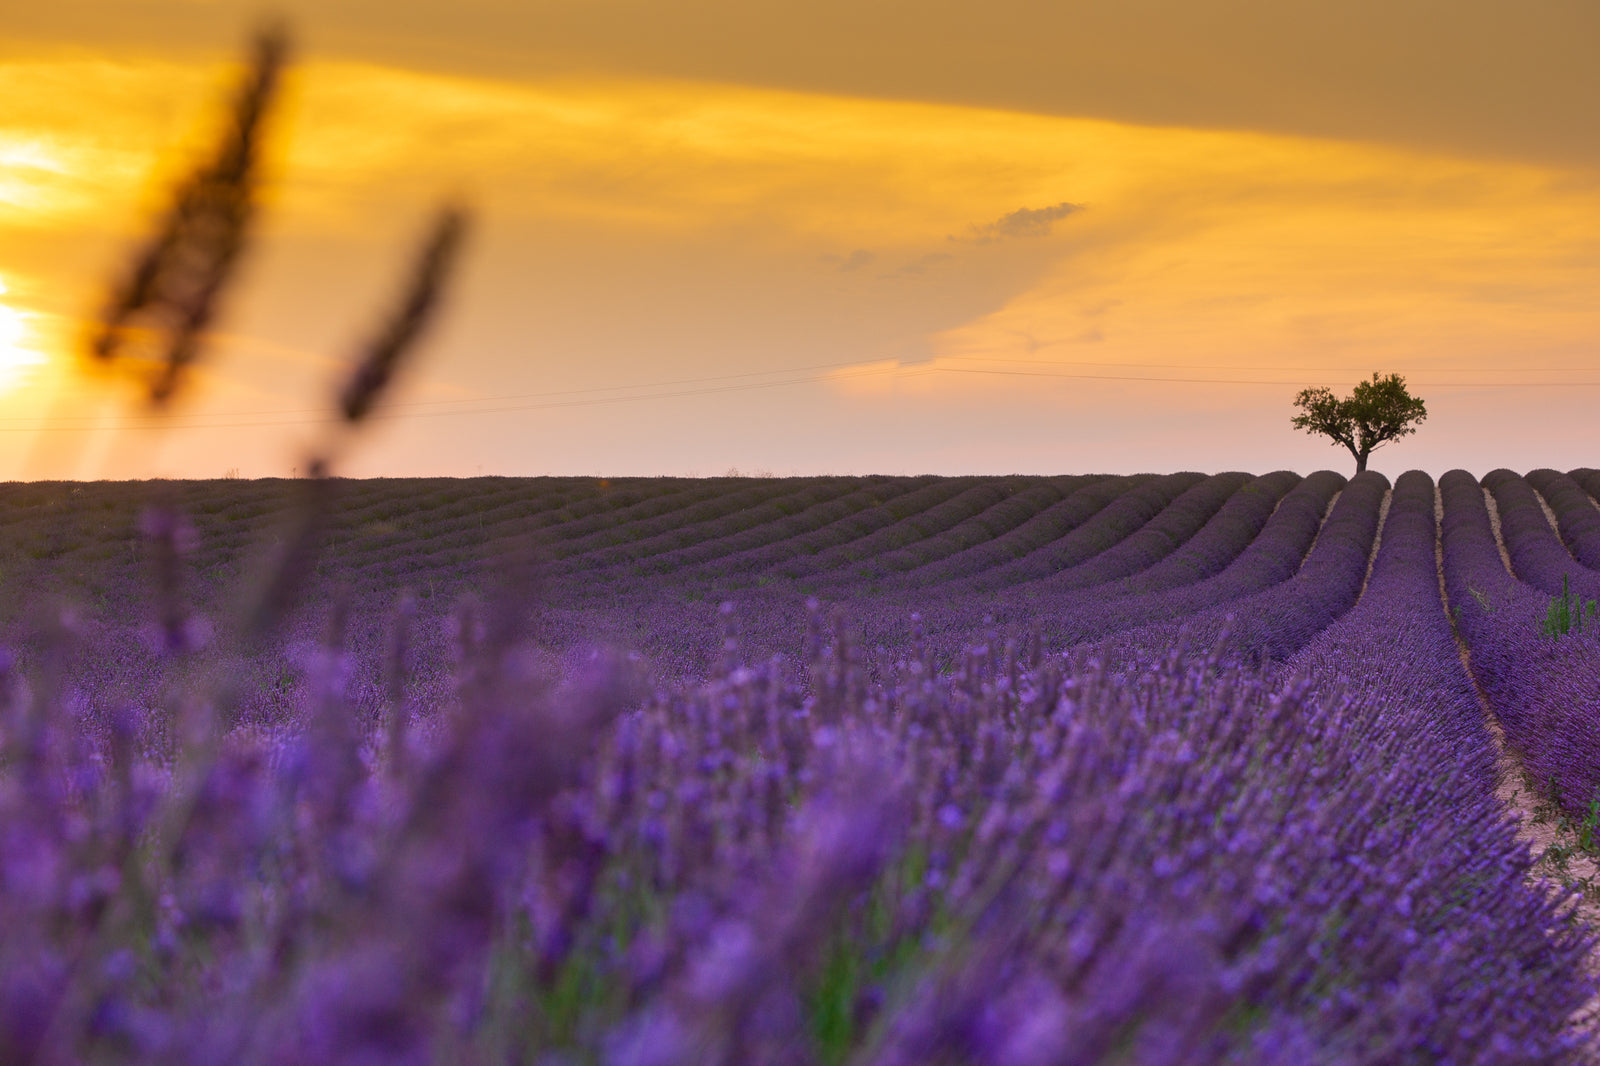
(1539, 834)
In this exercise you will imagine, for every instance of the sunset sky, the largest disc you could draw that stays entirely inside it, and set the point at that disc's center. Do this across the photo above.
(830, 237)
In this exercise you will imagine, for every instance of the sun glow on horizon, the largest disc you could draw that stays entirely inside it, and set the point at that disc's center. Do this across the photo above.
(17, 360)
(939, 257)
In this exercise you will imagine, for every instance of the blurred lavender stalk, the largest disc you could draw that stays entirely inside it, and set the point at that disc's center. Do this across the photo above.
(1117, 854)
(383, 355)
(171, 294)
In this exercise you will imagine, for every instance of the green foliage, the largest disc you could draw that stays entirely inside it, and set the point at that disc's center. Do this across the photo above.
(866, 955)
(831, 1005)
(1573, 840)
(1566, 614)
(1377, 411)
(1586, 840)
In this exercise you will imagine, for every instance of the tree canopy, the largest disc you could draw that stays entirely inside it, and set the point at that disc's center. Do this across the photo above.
(1377, 411)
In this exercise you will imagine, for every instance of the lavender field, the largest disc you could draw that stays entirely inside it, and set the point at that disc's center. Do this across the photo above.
(872, 770)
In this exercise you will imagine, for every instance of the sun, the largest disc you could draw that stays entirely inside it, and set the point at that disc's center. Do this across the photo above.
(16, 360)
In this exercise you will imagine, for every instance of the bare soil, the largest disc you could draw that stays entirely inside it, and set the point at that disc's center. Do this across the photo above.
(1535, 824)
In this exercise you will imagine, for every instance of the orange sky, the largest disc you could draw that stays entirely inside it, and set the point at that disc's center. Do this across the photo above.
(847, 243)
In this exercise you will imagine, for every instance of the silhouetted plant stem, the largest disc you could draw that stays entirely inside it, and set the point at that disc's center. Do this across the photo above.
(285, 575)
(397, 666)
(383, 355)
(171, 294)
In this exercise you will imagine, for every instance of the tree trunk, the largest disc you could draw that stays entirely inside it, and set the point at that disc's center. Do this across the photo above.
(1357, 454)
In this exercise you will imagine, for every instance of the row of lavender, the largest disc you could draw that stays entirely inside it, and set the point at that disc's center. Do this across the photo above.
(819, 531)
(1096, 527)
(1185, 567)
(1121, 554)
(1031, 859)
(968, 534)
(1544, 691)
(920, 851)
(1024, 858)
(1182, 563)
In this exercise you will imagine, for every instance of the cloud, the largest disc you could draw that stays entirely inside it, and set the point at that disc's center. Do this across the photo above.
(920, 264)
(1347, 71)
(853, 261)
(1023, 222)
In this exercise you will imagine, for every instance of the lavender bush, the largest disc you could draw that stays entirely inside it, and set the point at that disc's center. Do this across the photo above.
(1272, 556)
(1086, 498)
(1220, 541)
(1587, 478)
(725, 512)
(966, 497)
(1024, 498)
(1576, 515)
(1397, 646)
(1277, 622)
(1029, 860)
(1109, 526)
(798, 555)
(1153, 541)
(796, 517)
(245, 830)
(1542, 691)
(1537, 555)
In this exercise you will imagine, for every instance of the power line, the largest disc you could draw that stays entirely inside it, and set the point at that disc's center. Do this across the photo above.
(867, 369)
(1286, 369)
(1251, 381)
(313, 418)
(414, 404)
(584, 397)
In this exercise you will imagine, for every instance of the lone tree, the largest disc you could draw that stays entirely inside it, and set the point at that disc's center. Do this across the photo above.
(1379, 410)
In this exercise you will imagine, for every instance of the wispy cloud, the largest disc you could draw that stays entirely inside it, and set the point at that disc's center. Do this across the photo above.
(854, 261)
(921, 264)
(1023, 222)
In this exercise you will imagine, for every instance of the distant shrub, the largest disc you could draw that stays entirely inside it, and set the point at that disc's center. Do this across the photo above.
(1566, 614)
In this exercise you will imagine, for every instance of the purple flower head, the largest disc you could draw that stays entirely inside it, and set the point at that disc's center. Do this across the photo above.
(950, 816)
(358, 1008)
(657, 1037)
(30, 989)
(1026, 1025)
